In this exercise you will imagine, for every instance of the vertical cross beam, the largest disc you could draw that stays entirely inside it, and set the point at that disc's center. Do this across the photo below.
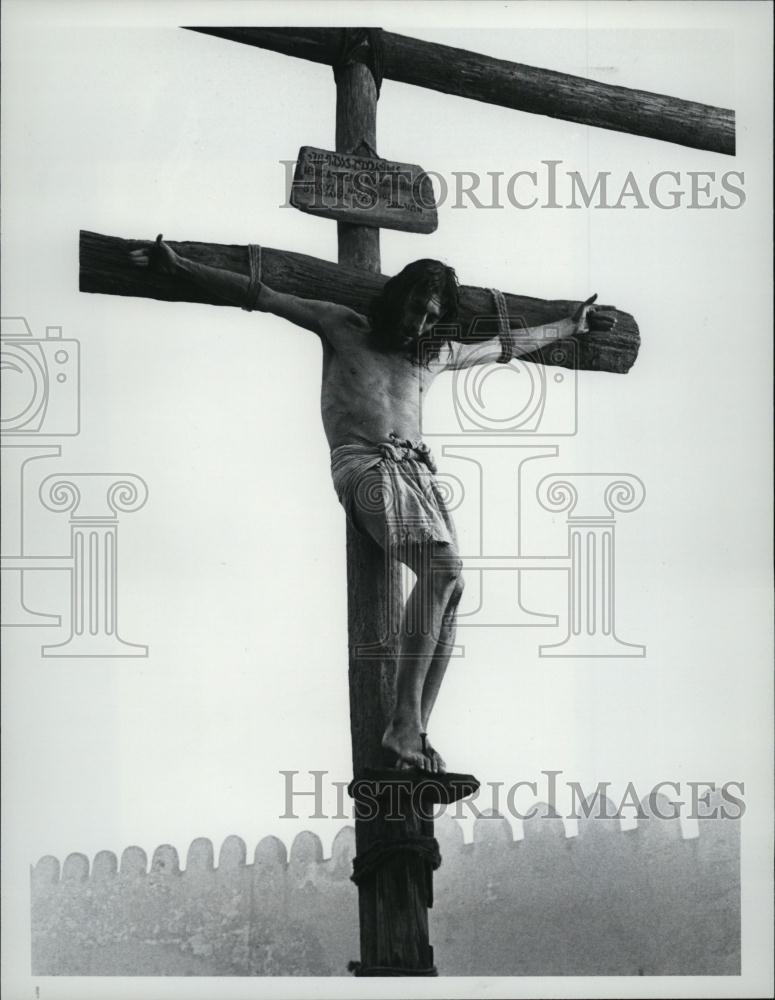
(393, 900)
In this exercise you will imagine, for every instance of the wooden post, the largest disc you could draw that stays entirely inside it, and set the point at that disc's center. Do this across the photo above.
(394, 897)
(356, 122)
(367, 571)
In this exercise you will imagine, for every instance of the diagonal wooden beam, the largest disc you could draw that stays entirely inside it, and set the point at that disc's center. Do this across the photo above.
(513, 85)
(105, 268)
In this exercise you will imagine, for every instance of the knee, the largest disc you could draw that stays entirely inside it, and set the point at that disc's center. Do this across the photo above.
(455, 594)
(447, 575)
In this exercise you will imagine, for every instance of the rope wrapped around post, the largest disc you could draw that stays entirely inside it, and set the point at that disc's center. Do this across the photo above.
(381, 851)
(254, 289)
(504, 326)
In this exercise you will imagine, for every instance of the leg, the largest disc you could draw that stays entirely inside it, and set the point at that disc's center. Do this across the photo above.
(422, 642)
(436, 568)
(439, 662)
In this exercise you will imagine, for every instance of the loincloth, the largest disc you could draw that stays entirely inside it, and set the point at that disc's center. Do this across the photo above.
(394, 479)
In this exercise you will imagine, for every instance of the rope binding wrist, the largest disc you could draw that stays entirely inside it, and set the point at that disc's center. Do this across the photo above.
(255, 286)
(504, 326)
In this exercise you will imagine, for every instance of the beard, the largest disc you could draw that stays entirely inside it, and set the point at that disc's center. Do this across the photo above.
(403, 340)
(420, 348)
(412, 341)
(406, 339)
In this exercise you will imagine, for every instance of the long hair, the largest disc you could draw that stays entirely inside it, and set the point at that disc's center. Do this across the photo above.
(386, 309)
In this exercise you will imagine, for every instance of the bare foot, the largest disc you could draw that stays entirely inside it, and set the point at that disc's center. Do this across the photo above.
(438, 763)
(404, 742)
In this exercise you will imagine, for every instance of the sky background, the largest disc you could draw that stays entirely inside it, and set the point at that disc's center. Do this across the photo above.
(233, 573)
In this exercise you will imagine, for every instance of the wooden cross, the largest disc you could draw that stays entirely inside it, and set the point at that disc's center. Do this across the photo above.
(395, 883)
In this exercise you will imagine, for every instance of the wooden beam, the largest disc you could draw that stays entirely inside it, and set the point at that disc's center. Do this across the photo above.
(105, 268)
(513, 85)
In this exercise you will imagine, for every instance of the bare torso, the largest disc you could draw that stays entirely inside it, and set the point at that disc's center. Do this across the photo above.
(368, 394)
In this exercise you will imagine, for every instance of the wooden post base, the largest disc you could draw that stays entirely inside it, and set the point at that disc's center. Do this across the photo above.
(397, 855)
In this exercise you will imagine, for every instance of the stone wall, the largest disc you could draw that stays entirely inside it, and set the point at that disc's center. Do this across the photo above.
(605, 902)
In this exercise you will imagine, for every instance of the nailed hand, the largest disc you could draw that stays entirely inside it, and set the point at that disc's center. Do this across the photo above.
(591, 318)
(156, 256)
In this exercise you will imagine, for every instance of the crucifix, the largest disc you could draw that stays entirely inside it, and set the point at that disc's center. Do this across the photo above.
(384, 342)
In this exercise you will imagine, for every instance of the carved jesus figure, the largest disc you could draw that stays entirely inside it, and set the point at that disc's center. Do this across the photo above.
(377, 368)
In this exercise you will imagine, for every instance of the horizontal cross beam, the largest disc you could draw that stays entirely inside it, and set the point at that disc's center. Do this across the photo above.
(513, 85)
(105, 268)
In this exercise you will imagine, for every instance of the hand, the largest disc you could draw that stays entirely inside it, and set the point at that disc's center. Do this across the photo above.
(590, 318)
(156, 256)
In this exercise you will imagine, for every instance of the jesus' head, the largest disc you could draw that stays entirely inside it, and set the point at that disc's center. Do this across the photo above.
(413, 302)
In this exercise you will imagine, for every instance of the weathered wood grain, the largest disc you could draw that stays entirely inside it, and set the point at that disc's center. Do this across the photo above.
(105, 268)
(514, 85)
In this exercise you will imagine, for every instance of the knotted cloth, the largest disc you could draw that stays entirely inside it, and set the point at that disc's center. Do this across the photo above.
(394, 479)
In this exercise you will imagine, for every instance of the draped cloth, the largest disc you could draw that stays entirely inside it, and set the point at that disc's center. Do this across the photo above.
(394, 479)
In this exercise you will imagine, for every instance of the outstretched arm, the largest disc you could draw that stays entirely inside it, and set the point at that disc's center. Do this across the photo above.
(525, 340)
(311, 314)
